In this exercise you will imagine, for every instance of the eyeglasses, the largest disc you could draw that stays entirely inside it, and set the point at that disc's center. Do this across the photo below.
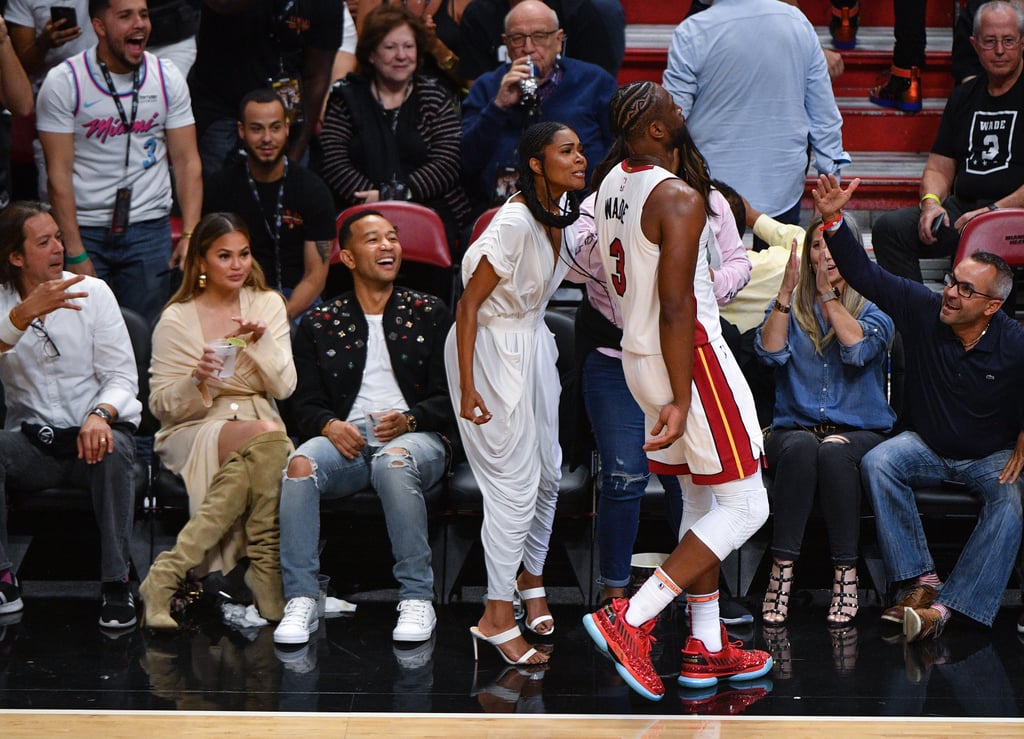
(49, 348)
(537, 37)
(1009, 42)
(964, 289)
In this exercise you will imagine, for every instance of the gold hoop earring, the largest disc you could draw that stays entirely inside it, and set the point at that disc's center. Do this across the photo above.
(202, 280)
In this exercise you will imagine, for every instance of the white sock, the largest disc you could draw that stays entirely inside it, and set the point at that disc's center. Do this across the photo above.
(651, 598)
(704, 623)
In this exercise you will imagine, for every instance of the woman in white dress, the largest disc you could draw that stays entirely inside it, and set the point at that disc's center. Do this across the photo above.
(505, 386)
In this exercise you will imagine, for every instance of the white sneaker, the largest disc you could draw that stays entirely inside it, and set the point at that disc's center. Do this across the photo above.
(299, 621)
(416, 621)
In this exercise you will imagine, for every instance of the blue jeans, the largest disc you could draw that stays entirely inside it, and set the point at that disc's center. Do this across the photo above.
(134, 264)
(398, 480)
(618, 425)
(975, 586)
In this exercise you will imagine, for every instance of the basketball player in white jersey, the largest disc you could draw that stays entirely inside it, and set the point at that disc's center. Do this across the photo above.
(653, 236)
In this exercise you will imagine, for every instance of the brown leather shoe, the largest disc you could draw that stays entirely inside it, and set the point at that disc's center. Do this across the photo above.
(922, 623)
(920, 596)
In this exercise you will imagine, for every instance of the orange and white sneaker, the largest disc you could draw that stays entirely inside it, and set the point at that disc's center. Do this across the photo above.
(628, 646)
(702, 668)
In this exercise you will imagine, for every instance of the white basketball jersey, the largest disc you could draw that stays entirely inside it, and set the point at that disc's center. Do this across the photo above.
(631, 260)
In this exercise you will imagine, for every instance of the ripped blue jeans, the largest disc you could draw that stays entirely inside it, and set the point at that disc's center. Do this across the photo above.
(398, 479)
(618, 425)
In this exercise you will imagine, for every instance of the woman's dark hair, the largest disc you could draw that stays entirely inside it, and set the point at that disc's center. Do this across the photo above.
(693, 168)
(211, 228)
(531, 146)
(12, 236)
(381, 21)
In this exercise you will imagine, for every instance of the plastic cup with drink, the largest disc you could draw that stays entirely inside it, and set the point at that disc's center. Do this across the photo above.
(227, 350)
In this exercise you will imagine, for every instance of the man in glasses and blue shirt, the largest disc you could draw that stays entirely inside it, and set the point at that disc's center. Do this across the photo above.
(71, 386)
(963, 421)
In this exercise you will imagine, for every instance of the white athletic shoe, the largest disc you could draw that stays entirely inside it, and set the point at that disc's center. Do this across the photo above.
(416, 621)
(299, 621)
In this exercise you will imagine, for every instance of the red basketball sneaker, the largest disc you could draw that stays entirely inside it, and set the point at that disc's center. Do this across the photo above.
(730, 701)
(702, 668)
(628, 646)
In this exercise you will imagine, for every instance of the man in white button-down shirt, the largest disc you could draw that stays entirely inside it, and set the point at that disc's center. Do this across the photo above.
(71, 389)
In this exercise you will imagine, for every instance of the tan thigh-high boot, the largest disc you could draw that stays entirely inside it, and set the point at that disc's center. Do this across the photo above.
(226, 500)
(265, 456)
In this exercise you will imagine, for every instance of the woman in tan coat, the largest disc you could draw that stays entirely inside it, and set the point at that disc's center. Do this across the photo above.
(221, 430)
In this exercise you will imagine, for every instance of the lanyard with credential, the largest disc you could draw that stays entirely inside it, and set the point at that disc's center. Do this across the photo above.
(275, 234)
(128, 125)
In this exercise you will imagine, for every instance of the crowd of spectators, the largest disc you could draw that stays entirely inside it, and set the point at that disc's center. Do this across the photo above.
(255, 123)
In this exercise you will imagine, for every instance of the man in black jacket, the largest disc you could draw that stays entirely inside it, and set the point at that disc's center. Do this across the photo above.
(372, 403)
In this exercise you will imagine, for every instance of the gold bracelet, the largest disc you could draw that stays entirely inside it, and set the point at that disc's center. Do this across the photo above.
(186, 235)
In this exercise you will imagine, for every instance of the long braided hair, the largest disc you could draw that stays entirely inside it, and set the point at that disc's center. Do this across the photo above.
(531, 146)
(630, 110)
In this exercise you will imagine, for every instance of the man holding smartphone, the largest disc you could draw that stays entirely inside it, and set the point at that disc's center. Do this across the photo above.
(109, 119)
(44, 34)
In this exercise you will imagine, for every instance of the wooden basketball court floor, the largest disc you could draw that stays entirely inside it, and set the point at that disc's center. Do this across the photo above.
(113, 724)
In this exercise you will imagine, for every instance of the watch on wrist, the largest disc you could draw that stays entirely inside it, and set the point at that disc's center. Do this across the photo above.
(832, 294)
(102, 413)
(411, 420)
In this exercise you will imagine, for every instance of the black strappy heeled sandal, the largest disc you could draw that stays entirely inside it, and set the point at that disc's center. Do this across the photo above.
(775, 609)
(844, 606)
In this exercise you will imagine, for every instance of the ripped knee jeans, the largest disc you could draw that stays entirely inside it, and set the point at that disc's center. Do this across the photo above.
(398, 472)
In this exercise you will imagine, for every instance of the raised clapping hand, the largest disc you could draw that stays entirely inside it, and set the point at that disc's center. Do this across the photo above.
(670, 426)
(791, 276)
(830, 198)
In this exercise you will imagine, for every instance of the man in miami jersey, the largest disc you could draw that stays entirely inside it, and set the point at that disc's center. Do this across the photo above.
(109, 119)
(653, 235)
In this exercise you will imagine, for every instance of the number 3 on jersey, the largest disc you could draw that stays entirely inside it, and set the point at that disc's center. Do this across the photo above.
(617, 253)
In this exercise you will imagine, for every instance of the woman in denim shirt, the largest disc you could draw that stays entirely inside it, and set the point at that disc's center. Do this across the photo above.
(829, 347)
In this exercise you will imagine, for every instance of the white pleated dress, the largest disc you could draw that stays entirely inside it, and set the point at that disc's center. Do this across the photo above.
(515, 457)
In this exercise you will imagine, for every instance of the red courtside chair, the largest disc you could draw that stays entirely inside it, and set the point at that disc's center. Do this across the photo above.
(419, 229)
(482, 222)
(424, 243)
(999, 232)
